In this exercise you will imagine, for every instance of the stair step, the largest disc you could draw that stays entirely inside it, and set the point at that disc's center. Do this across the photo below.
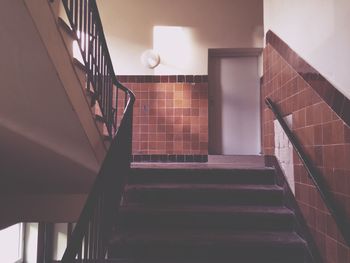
(229, 217)
(62, 24)
(203, 214)
(79, 65)
(209, 245)
(202, 175)
(151, 194)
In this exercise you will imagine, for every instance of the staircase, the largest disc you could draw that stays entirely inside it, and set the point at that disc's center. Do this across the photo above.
(204, 214)
(182, 214)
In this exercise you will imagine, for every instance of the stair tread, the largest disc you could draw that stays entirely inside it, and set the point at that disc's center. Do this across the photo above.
(201, 174)
(198, 238)
(135, 208)
(201, 213)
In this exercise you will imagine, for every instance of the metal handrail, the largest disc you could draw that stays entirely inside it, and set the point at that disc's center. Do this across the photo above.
(339, 218)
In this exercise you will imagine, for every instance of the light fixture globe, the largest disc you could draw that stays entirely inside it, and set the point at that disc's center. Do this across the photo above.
(150, 58)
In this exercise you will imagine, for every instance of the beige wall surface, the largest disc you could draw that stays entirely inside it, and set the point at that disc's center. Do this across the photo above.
(318, 31)
(180, 31)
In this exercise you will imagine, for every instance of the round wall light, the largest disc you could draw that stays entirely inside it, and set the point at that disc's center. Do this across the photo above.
(150, 58)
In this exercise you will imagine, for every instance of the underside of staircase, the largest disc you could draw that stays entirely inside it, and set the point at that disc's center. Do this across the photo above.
(205, 214)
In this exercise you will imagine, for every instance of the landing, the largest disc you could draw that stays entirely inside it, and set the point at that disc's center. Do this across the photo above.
(214, 162)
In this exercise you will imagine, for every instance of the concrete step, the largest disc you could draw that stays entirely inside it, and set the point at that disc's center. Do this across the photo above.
(209, 246)
(223, 194)
(206, 217)
(202, 176)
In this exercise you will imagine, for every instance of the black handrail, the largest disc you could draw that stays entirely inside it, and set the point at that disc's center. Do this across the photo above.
(89, 240)
(85, 21)
(339, 218)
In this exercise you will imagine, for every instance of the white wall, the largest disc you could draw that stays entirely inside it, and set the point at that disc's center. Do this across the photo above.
(186, 29)
(318, 30)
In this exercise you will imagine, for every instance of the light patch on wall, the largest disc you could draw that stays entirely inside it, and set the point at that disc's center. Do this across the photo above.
(284, 151)
(175, 47)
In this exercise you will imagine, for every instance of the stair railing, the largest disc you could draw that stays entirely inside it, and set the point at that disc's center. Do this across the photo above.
(315, 176)
(90, 237)
(102, 84)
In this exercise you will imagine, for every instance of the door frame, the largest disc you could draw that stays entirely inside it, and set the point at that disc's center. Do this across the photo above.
(235, 52)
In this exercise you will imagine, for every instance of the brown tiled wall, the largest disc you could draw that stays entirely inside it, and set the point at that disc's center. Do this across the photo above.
(325, 138)
(170, 114)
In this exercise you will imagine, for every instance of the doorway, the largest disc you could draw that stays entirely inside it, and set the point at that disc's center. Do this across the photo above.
(234, 102)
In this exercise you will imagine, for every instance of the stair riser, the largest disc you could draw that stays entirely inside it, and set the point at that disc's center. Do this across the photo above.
(82, 78)
(263, 177)
(153, 197)
(68, 40)
(207, 221)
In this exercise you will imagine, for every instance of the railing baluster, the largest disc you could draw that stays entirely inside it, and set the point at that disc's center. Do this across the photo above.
(99, 227)
(89, 34)
(86, 245)
(75, 16)
(100, 74)
(70, 14)
(80, 253)
(83, 30)
(91, 236)
(100, 241)
(105, 80)
(96, 231)
(116, 106)
(108, 97)
(80, 20)
(103, 88)
(96, 66)
(110, 103)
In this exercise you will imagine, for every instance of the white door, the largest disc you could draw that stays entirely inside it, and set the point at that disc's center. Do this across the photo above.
(234, 106)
